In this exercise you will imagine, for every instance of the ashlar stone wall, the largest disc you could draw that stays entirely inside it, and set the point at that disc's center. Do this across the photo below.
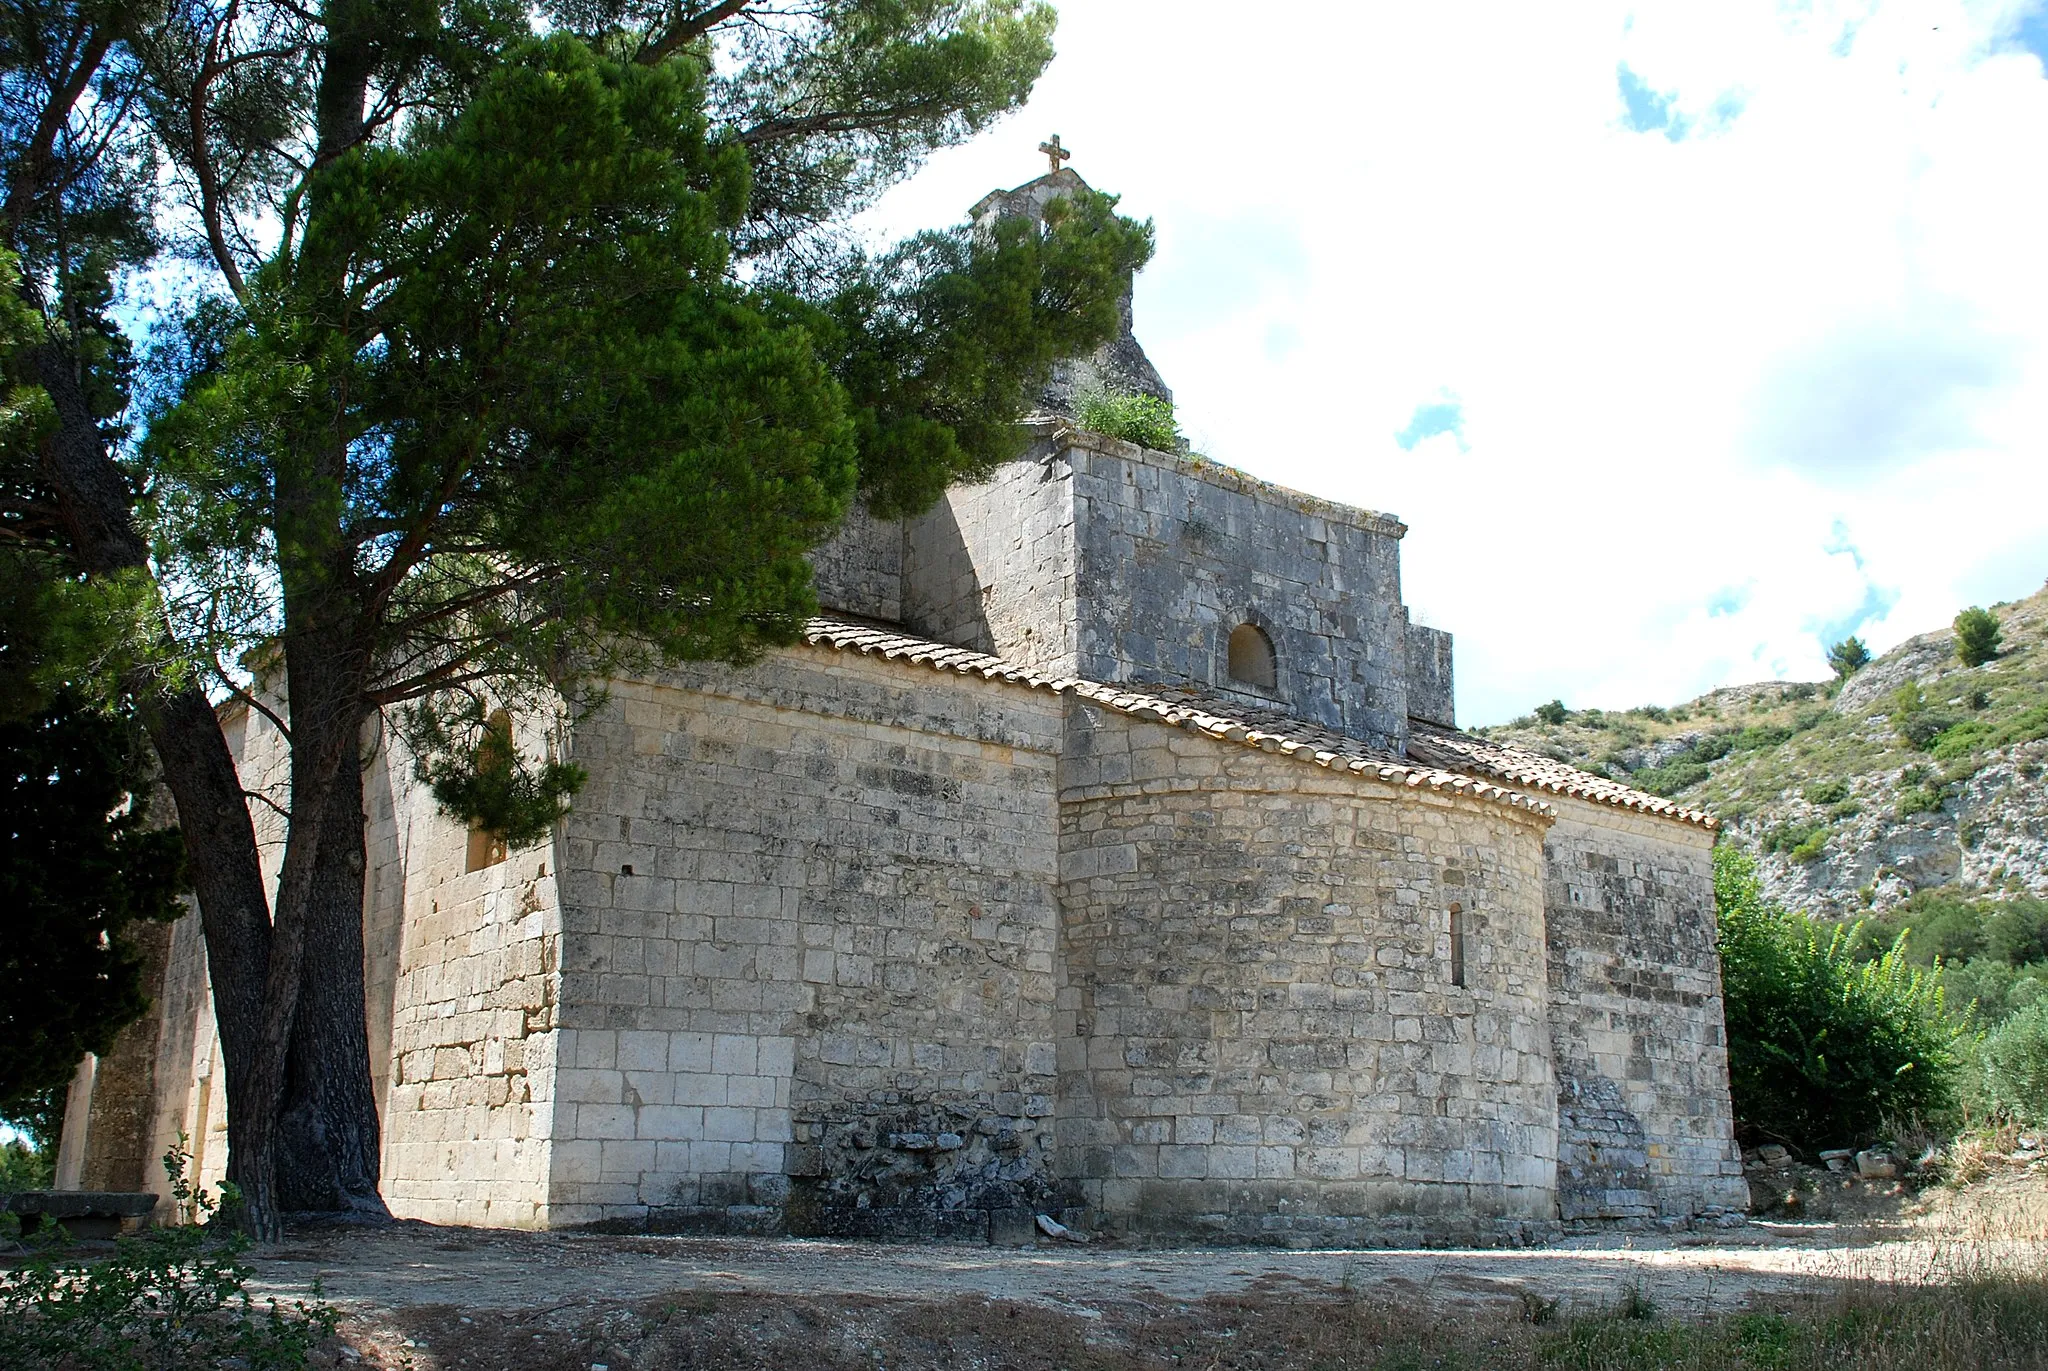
(1175, 552)
(463, 982)
(1261, 1038)
(1645, 1127)
(1094, 558)
(991, 567)
(809, 934)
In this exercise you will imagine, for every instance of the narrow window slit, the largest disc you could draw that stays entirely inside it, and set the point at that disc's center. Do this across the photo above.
(1457, 944)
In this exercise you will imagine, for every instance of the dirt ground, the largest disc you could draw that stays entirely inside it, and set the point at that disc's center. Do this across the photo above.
(432, 1298)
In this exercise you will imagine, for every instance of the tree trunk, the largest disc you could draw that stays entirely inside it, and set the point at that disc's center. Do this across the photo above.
(328, 1132)
(222, 859)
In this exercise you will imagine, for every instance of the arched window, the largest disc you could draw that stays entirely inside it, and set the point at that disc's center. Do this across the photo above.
(1251, 657)
(485, 847)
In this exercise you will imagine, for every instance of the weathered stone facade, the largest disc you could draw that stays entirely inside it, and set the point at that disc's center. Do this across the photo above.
(1635, 1022)
(1017, 889)
(1262, 1033)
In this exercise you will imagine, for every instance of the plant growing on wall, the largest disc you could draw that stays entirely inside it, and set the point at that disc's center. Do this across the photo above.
(1145, 420)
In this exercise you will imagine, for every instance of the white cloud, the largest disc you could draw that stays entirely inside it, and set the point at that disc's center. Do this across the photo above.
(1691, 374)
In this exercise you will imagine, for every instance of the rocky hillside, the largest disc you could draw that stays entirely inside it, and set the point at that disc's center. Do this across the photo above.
(1916, 772)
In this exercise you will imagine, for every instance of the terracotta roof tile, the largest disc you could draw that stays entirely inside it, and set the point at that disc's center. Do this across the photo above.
(1194, 710)
(1447, 747)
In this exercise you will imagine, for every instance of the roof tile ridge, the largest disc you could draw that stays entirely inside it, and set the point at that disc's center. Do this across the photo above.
(1267, 730)
(1518, 764)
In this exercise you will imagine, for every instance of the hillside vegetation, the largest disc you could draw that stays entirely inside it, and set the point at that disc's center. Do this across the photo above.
(1909, 795)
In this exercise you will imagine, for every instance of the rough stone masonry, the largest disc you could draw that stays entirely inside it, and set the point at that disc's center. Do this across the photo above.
(1107, 851)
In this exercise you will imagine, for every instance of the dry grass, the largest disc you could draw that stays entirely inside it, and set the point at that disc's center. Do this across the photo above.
(1980, 1316)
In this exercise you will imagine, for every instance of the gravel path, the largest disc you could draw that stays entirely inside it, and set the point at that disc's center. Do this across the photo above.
(413, 1265)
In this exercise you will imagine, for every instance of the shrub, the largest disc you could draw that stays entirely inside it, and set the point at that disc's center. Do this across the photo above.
(1980, 735)
(1848, 657)
(1655, 713)
(1913, 719)
(1829, 792)
(22, 1167)
(1787, 837)
(1553, 713)
(2015, 1064)
(1672, 777)
(1986, 991)
(168, 1298)
(1813, 849)
(1757, 737)
(2016, 931)
(1822, 1048)
(1145, 420)
(1713, 747)
(1919, 799)
(1977, 635)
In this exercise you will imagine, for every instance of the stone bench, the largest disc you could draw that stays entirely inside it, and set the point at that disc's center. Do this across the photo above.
(84, 1213)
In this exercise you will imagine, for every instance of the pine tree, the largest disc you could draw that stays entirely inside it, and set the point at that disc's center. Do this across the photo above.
(1977, 636)
(524, 361)
(1848, 657)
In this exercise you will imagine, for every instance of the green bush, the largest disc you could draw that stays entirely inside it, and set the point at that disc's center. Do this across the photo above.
(1919, 799)
(1830, 792)
(168, 1299)
(1553, 713)
(1688, 768)
(1977, 635)
(1713, 747)
(1812, 849)
(1914, 720)
(2016, 931)
(1757, 737)
(1822, 1047)
(1987, 991)
(1672, 777)
(1991, 955)
(1980, 735)
(1145, 420)
(1790, 837)
(22, 1167)
(2015, 1064)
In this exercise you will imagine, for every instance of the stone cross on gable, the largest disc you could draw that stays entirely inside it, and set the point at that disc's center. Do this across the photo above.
(1054, 153)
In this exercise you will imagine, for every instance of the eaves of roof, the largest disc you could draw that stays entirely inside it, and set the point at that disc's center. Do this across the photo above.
(1178, 708)
(1449, 748)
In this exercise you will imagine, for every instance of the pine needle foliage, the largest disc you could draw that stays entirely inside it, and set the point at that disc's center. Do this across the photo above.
(1977, 636)
(518, 348)
(1848, 657)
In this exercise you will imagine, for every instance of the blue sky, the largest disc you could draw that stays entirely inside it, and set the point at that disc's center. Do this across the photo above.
(1682, 336)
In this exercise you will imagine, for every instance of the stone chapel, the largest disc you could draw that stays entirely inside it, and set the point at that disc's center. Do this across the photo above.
(1106, 850)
